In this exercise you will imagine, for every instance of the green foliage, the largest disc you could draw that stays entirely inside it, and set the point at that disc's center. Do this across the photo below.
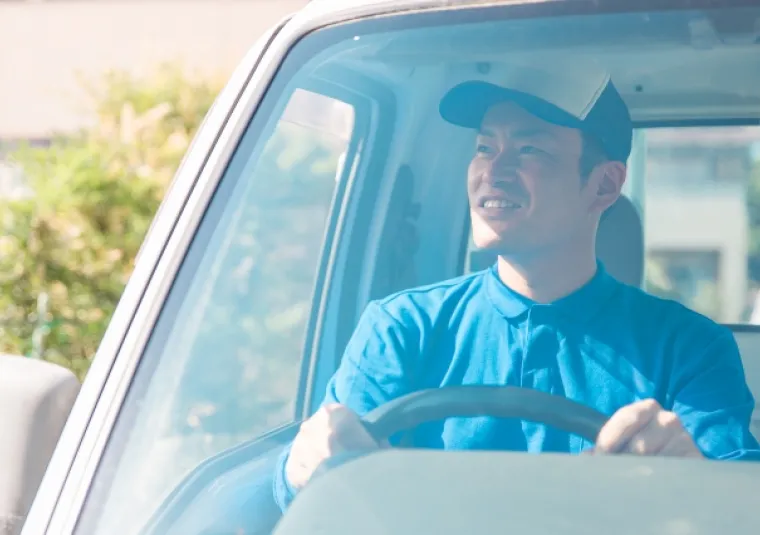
(93, 196)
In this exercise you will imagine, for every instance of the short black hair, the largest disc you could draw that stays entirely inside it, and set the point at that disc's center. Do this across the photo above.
(592, 154)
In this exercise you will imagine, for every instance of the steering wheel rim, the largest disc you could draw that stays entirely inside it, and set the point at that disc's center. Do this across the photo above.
(464, 401)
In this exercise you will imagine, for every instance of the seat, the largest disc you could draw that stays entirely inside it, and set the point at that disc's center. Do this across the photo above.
(619, 244)
(35, 400)
(748, 340)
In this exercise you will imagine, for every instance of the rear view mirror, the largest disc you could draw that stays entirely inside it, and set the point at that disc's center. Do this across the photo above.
(35, 400)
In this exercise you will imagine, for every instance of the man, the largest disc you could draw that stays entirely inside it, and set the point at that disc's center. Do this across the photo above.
(547, 316)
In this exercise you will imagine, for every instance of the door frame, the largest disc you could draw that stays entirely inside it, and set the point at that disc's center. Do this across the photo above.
(334, 306)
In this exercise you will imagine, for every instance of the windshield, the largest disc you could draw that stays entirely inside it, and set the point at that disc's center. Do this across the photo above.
(354, 183)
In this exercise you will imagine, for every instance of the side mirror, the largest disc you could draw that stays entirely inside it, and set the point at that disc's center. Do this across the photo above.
(35, 400)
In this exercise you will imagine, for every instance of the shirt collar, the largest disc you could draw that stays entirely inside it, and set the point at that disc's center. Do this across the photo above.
(580, 304)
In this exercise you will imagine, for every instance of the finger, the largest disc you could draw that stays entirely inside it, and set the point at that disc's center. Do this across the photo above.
(625, 424)
(310, 442)
(342, 429)
(298, 466)
(311, 446)
(336, 417)
(654, 436)
(681, 445)
(351, 434)
(308, 452)
(330, 418)
(664, 436)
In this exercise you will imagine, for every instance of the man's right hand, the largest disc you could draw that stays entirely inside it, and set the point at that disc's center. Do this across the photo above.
(333, 429)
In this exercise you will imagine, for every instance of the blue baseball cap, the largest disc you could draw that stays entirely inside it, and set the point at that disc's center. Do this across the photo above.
(593, 105)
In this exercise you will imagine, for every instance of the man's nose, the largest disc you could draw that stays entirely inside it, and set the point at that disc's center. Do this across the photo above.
(503, 167)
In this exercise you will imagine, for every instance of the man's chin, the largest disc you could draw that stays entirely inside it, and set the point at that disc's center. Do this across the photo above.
(495, 235)
(501, 245)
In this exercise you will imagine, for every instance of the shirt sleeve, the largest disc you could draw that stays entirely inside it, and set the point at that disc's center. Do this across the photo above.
(714, 402)
(375, 368)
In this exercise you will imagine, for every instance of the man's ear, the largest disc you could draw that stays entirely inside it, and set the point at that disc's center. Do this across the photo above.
(606, 183)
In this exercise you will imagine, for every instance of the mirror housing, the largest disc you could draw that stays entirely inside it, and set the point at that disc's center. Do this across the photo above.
(35, 400)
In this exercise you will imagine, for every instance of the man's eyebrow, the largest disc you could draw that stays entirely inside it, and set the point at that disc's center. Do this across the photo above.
(486, 132)
(524, 133)
(531, 133)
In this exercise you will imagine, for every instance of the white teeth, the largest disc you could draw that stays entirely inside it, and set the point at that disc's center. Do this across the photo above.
(500, 204)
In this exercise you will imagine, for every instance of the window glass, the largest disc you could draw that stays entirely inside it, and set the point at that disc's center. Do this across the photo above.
(228, 367)
(702, 211)
(690, 277)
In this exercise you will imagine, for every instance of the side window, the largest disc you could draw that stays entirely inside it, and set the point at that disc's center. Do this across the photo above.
(223, 364)
(702, 218)
(253, 307)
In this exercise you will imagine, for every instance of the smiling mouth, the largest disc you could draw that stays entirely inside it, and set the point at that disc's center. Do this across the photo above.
(501, 204)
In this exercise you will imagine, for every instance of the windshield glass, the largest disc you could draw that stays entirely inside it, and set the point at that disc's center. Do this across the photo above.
(622, 147)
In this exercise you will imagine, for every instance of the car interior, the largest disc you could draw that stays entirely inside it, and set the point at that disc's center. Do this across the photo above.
(245, 487)
(666, 88)
(420, 195)
(659, 68)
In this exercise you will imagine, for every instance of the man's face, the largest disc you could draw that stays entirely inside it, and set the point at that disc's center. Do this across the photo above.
(524, 183)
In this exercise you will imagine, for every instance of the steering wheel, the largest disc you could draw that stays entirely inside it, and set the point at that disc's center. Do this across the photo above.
(465, 401)
(423, 406)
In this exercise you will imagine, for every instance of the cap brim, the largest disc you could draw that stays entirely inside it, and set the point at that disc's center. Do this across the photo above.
(467, 103)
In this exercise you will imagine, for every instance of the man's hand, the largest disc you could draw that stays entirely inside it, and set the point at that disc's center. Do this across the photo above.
(645, 428)
(332, 430)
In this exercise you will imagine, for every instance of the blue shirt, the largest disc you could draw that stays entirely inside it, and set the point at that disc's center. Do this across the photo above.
(606, 345)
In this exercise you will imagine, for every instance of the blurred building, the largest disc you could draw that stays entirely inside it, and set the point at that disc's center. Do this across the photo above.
(696, 220)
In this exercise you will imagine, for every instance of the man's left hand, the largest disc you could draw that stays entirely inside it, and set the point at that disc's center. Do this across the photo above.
(645, 428)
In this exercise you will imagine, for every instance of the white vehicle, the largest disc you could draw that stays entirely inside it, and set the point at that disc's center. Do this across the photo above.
(324, 177)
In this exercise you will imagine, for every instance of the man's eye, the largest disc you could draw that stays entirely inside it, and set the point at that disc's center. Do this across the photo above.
(529, 149)
(484, 149)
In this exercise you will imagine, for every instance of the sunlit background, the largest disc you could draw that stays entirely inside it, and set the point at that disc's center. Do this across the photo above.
(98, 102)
